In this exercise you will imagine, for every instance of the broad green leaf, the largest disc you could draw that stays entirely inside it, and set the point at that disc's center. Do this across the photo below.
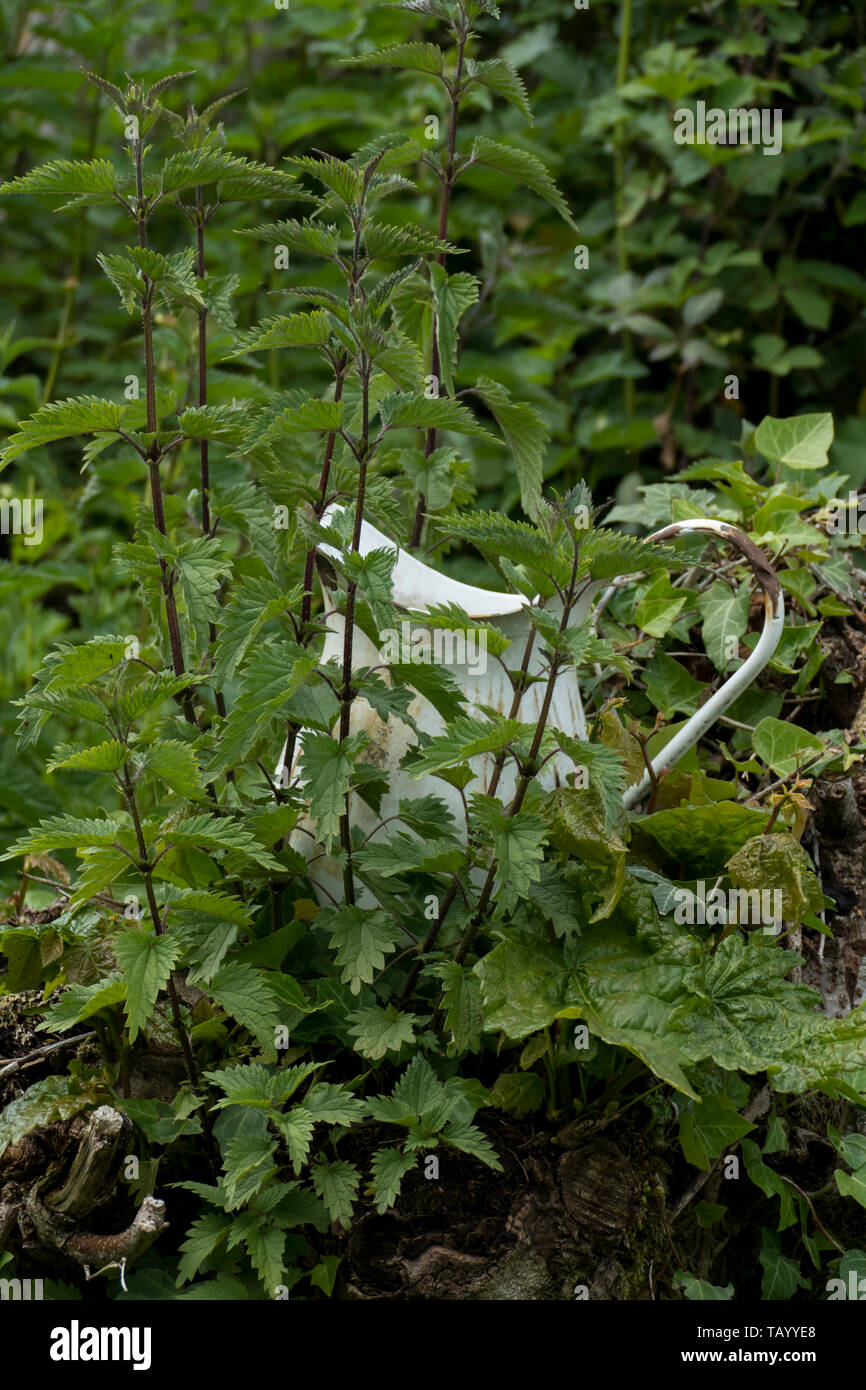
(526, 435)
(54, 1098)
(337, 1185)
(362, 939)
(799, 442)
(416, 57)
(523, 167)
(389, 1167)
(784, 747)
(726, 618)
(146, 961)
(63, 420)
(378, 1031)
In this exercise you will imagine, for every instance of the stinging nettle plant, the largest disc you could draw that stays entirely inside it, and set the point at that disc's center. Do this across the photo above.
(327, 1049)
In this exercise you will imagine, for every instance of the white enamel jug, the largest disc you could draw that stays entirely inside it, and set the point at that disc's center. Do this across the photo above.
(418, 588)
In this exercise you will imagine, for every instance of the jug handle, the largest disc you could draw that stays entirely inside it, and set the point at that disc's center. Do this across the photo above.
(742, 678)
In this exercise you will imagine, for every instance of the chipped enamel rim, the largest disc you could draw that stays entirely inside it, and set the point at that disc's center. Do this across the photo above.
(774, 622)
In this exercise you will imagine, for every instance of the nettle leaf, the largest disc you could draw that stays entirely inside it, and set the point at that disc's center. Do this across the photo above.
(522, 166)
(216, 833)
(417, 57)
(403, 410)
(800, 442)
(338, 175)
(502, 79)
(95, 179)
(146, 962)
(461, 1000)
(224, 424)
(362, 939)
(174, 276)
(526, 435)
(726, 618)
(333, 1105)
(100, 757)
(297, 330)
(248, 1164)
(257, 1086)
(382, 240)
(273, 673)
(326, 771)
(466, 738)
(200, 565)
(190, 168)
(79, 1002)
(310, 238)
(174, 763)
(245, 994)
(63, 420)
(297, 1130)
(452, 296)
(389, 1167)
(518, 846)
(337, 1185)
(378, 1031)
(305, 415)
(253, 603)
(266, 1247)
(65, 832)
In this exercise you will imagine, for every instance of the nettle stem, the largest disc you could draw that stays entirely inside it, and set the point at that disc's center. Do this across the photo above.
(557, 661)
(347, 694)
(155, 457)
(448, 182)
(519, 683)
(144, 868)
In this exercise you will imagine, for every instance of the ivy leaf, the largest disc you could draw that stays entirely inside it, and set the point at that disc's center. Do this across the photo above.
(726, 617)
(784, 747)
(146, 961)
(50, 1099)
(800, 442)
(699, 1291)
(781, 1278)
